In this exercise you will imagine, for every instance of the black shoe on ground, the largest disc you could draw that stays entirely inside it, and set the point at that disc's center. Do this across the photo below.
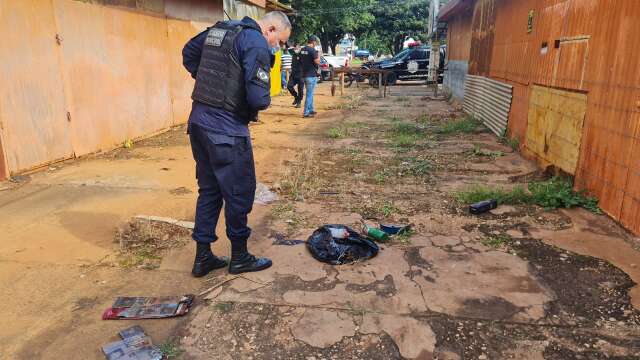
(308, 116)
(248, 263)
(313, 113)
(203, 266)
(298, 105)
(295, 102)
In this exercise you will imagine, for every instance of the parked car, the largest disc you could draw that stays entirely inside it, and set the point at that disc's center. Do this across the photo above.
(362, 54)
(324, 70)
(410, 64)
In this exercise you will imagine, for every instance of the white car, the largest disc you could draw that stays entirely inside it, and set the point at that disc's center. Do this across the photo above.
(335, 61)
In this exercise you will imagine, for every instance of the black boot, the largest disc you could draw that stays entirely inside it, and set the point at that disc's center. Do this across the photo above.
(248, 263)
(205, 261)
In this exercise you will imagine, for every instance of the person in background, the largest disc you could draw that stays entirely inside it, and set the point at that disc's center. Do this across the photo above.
(310, 60)
(286, 65)
(295, 77)
(231, 62)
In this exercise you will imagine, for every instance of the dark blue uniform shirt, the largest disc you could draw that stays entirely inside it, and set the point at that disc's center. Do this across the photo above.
(250, 46)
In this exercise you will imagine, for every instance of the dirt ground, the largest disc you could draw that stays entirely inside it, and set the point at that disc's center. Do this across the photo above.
(518, 282)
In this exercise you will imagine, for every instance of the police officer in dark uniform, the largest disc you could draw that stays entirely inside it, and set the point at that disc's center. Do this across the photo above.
(231, 62)
(295, 79)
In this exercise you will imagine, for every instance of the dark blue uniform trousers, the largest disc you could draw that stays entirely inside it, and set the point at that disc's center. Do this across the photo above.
(225, 171)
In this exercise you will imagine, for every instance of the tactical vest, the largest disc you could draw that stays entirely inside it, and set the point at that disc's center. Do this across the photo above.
(220, 78)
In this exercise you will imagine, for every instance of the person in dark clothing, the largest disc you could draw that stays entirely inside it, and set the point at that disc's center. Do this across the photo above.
(295, 79)
(231, 62)
(309, 61)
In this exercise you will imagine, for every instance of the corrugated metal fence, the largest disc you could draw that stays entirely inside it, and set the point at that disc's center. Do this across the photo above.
(489, 101)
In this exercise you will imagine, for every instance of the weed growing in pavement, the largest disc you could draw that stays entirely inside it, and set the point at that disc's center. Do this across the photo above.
(477, 193)
(301, 179)
(514, 143)
(478, 151)
(405, 237)
(496, 241)
(558, 193)
(171, 350)
(405, 136)
(465, 125)
(223, 307)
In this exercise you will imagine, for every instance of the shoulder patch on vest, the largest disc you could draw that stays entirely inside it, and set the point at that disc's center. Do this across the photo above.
(215, 37)
(262, 75)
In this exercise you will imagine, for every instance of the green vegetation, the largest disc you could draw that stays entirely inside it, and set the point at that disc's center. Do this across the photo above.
(514, 143)
(551, 194)
(171, 350)
(495, 241)
(387, 208)
(405, 237)
(402, 99)
(465, 125)
(478, 151)
(423, 119)
(336, 133)
(405, 135)
(558, 193)
(415, 166)
(301, 179)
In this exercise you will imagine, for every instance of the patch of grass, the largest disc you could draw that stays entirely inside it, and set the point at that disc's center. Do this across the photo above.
(171, 350)
(402, 142)
(336, 133)
(402, 99)
(465, 125)
(496, 241)
(405, 237)
(223, 306)
(405, 135)
(558, 193)
(477, 193)
(345, 129)
(478, 151)
(381, 176)
(424, 119)
(550, 194)
(290, 215)
(353, 103)
(302, 178)
(513, 143)
(415, 166)
(387, 208)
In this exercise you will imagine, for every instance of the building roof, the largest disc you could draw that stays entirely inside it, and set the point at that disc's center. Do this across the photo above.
(277, 5)
(453, 8)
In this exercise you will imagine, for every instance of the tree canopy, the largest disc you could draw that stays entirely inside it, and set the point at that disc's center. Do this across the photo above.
(379, 25)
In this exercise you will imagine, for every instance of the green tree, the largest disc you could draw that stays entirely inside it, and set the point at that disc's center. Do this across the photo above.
(330, 19)
(394, 23)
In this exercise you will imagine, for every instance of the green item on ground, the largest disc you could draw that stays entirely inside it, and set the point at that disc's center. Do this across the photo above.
(376, 234)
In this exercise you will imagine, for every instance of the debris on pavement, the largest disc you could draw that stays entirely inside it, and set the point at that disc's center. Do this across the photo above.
(132, 308)
(394, 229)
(280, 239)
(135, 345)
(483, 206)
(337, 251)
(375, 234)
(264, 195)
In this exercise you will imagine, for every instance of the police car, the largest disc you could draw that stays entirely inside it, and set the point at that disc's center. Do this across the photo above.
(410, 64)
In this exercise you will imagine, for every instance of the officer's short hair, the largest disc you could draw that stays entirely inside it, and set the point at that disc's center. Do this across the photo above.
(279, 17)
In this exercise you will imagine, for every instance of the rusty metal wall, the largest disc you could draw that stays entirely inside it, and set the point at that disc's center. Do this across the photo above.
(459, 37)
(79, 77)
(482, 35)
(33, 106)
(588, 47)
